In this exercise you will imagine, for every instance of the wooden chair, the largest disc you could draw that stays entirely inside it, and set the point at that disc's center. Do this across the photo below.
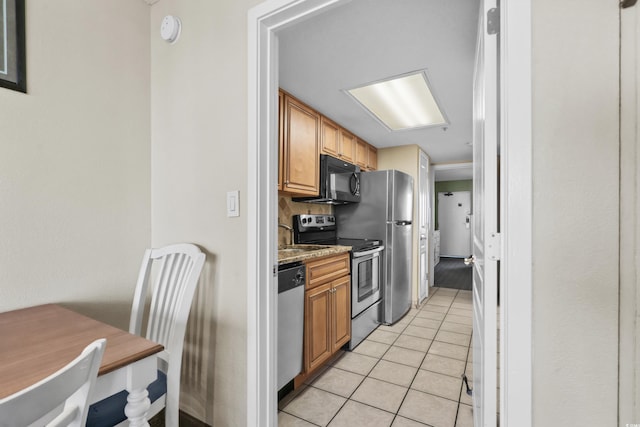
(174, 284)
(58, 400)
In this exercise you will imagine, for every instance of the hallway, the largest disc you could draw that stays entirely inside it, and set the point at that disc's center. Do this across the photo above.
(452, 273)
(404, 375)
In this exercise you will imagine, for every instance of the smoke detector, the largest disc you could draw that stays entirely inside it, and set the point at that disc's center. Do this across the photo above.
(170, 28)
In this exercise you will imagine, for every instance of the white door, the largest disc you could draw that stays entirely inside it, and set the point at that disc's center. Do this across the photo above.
(424, 213)
(485, 222)
(454, 210)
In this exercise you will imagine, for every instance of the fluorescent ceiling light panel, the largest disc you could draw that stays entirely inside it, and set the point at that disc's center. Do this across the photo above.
(400, 103)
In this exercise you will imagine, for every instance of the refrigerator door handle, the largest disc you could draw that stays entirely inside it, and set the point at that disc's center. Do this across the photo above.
(403, 223)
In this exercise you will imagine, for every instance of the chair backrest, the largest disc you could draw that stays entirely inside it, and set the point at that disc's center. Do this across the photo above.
(172, 292)
(58, 400)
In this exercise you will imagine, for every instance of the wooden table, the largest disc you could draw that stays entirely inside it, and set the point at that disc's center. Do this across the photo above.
(37, 341)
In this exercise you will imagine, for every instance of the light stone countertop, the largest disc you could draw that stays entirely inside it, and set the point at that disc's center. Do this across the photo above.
(293, 253)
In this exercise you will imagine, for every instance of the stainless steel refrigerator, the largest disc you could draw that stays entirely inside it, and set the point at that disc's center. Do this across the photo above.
(385, 212)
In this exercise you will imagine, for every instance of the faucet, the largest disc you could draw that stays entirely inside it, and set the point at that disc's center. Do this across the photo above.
(288, 227)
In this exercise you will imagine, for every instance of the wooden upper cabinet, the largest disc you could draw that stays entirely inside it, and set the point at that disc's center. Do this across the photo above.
(280, 139)
(372, 163)
(347, 146)
(366, 156)
(301, 148)
(337, 141)
(329, 137)
(362, 153)
(303, 135)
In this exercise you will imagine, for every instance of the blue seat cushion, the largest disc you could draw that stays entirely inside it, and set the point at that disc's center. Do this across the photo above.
(110, 411)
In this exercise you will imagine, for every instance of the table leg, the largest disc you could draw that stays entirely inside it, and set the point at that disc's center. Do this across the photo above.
(139, 375)
(137, 406)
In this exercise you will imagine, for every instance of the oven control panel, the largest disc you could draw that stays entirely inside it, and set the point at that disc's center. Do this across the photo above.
(315, 221)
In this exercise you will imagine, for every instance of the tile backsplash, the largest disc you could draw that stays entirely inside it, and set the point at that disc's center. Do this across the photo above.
(287, 208)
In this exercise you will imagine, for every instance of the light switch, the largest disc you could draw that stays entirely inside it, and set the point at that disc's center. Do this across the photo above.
(233, 203)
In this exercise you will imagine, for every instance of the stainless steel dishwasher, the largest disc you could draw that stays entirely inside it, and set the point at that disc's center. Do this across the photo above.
(291, 280)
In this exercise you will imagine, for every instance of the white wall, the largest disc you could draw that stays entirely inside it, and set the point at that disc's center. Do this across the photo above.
(74, 159)
(575, 212)
(199, 149)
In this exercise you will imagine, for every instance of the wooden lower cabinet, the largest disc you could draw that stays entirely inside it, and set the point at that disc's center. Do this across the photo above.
(341, 312)
(317, 321)
(327, 317)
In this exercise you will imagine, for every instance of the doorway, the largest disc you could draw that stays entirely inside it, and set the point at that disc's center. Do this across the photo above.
(454, 228)
(264, 21)
(454, 223)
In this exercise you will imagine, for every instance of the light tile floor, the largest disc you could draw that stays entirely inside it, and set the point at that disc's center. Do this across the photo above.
(405, 375)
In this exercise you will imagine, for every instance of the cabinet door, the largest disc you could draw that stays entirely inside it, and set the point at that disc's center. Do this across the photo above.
(361, 153)
(372, 162)
(280, 139)
(347, 146)
(317, 337)
(301, 148)
(341, 305)
(329, 137)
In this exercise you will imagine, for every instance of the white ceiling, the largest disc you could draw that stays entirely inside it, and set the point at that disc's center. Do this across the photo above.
(370, 40)
(453, 171)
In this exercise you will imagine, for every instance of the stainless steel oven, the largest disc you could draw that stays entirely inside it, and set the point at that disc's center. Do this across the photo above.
(367, 285)
(365, 279)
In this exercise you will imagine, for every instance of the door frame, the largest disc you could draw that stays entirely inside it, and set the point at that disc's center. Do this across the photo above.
(424, 212)
(264, 20)
(516, 195)
(629, 297)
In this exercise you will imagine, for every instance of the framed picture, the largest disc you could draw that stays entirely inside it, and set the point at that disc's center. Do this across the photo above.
(12, 45)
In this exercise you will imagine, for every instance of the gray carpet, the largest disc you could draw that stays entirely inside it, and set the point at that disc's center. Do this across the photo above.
(452, 273)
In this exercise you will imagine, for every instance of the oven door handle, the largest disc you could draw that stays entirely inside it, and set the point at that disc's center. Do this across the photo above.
(369, 252)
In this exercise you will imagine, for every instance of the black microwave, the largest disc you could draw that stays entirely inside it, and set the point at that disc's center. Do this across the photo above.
(339, 182)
